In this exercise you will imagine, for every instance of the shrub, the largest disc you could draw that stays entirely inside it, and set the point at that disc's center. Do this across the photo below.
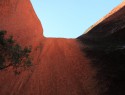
(12, 54)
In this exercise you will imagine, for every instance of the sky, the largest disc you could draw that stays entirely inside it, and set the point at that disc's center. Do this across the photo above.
(70, 18)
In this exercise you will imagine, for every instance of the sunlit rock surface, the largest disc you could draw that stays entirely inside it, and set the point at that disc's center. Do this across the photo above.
(18, 18)
(59, 67)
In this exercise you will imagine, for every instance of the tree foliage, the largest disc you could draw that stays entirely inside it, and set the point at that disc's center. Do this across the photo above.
(12, 54)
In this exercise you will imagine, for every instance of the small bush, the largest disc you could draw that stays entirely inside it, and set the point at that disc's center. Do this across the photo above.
(12, 54)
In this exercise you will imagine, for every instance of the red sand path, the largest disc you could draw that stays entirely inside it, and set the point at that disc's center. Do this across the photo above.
(62, 69)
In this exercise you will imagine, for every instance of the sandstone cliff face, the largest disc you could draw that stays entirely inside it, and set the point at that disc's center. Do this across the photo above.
(109, 30)
(109, 24)
(105, 47)
(59, 67)
(18, 18)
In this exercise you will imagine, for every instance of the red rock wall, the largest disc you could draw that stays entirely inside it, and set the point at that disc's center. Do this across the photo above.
(18, 18)
(109, 24)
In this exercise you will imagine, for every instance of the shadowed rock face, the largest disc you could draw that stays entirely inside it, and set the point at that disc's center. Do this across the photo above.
(108, 25)
(107, 32)
(18, 18)
(105, 47)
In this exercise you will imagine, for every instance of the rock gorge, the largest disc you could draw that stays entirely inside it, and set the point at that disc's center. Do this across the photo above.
(92, 64)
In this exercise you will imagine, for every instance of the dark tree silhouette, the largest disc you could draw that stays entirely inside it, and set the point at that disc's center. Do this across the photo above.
(12, 54)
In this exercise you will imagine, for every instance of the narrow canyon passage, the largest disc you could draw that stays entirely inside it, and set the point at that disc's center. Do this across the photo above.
(62, 69)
